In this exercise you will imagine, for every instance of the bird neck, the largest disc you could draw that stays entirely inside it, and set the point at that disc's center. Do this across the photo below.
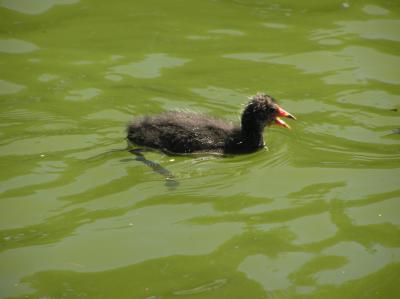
(252, 138)
(252, 131)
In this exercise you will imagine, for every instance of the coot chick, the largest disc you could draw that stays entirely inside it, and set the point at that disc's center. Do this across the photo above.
(179, 132)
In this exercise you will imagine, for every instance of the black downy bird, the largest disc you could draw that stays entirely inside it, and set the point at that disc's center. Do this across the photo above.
(177, 133)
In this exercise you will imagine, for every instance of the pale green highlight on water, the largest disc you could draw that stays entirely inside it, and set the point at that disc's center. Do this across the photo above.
(314, 216)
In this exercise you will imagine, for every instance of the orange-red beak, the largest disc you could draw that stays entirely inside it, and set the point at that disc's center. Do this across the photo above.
(283, 113)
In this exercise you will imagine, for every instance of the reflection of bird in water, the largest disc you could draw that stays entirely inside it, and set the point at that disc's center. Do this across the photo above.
(169, 177)
(395, 131)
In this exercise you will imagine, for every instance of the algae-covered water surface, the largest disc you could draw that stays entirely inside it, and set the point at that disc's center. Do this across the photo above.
(316, 215)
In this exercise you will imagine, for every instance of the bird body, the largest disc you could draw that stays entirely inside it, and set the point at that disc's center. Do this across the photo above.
(178, 132)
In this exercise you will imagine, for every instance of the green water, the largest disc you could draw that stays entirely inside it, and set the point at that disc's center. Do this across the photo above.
(315, 216)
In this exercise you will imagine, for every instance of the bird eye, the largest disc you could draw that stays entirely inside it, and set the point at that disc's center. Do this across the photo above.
(272, 110)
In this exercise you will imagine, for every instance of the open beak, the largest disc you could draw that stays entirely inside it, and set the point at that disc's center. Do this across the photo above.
(279, 121)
